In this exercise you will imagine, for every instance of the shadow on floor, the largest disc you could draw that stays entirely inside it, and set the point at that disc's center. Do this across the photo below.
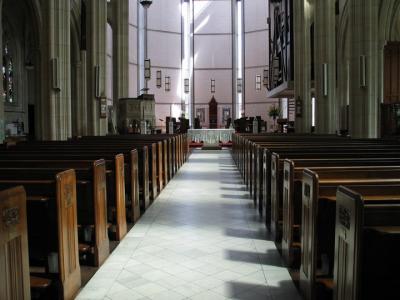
(260, 234)
(244, 197)
(270, 258)
(246, 291)
(238, 182)
(239, 189)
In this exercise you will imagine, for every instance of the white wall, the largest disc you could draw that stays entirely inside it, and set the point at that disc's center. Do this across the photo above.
(164, 50)
(256, 58)
(213, 55)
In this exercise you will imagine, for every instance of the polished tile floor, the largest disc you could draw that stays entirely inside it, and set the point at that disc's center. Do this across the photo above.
(201, 239)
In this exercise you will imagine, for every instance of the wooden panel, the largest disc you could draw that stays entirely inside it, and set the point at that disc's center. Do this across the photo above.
(135, 185)
(14, 262)
(392, 73)
(347, 239)
(121, 229)
(146, 177)
(160, 166)
(310, 195)
(154, 171)
(170, 159)
(68, 258)
(165, 161)
(288, 211)
(274, 198)
(102, 247)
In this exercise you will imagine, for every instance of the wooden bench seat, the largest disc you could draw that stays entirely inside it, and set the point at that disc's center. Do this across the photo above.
(367, 242)
(52, 230)
(318, 216)
(115, 182)
(91, 197)
(14, 259)
(272, 163)
(291, 189)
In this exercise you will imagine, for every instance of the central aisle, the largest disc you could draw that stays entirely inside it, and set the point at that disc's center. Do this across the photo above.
(201, 239)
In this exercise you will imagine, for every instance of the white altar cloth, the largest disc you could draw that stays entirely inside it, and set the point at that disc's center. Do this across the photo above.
(211, 136)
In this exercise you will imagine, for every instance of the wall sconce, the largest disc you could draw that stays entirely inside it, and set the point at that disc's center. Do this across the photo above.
(363, 71)
(266, 77)
(212, 86)
(167, 83)
(56, 85)
(239, 85)
(147, 69)
(186, 85)
(325, 79)
(159, 80)
(258, 82)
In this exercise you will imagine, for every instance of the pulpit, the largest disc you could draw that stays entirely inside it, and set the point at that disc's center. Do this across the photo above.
(213, 113)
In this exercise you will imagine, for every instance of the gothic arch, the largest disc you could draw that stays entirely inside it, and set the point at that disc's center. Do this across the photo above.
(26, 44)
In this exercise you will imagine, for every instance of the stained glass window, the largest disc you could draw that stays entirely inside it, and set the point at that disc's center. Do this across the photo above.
(8, 75)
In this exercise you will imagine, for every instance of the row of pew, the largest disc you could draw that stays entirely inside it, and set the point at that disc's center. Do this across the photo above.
(63, 201)
(332, 206)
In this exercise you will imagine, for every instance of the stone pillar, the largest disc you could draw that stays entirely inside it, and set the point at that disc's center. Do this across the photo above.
(302, 10)
(96, 42)
(325, 53)
(55, 103)
(121, 48)
(81, 113)
(2, 126)
(364, 100)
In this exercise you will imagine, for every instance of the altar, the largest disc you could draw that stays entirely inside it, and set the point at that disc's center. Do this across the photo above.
(211, 136)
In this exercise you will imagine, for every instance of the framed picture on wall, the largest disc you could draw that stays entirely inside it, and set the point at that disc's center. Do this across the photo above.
(201, 114)
(226, 114)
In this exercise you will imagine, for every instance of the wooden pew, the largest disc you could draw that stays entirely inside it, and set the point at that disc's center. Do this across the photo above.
(171, 155)
(367, 243)
(252, 141)
(253, 175)
(116, 190)
(318, 210)
(14, 259)
(151, 172)
(56, 200)
(91, 205)
(292, 176)
(270, 170)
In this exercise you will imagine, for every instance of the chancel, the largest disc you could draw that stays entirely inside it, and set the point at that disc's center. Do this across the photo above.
(200, 149)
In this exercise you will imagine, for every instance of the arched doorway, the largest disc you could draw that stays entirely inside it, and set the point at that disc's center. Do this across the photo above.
(21, 67)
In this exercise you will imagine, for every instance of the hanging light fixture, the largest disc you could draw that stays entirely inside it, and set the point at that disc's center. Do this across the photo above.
(146, 3)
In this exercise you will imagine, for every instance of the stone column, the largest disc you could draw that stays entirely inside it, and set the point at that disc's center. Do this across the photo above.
(121, 48)
(55, 103)
(2, 126)
(325, 53)
(81, 109)
(96, 56)
(302, 10)
(364, 100)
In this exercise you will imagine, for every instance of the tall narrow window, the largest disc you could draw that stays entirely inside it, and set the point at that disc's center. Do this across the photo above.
(187, 58)
(8, 75)
(239, 59)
